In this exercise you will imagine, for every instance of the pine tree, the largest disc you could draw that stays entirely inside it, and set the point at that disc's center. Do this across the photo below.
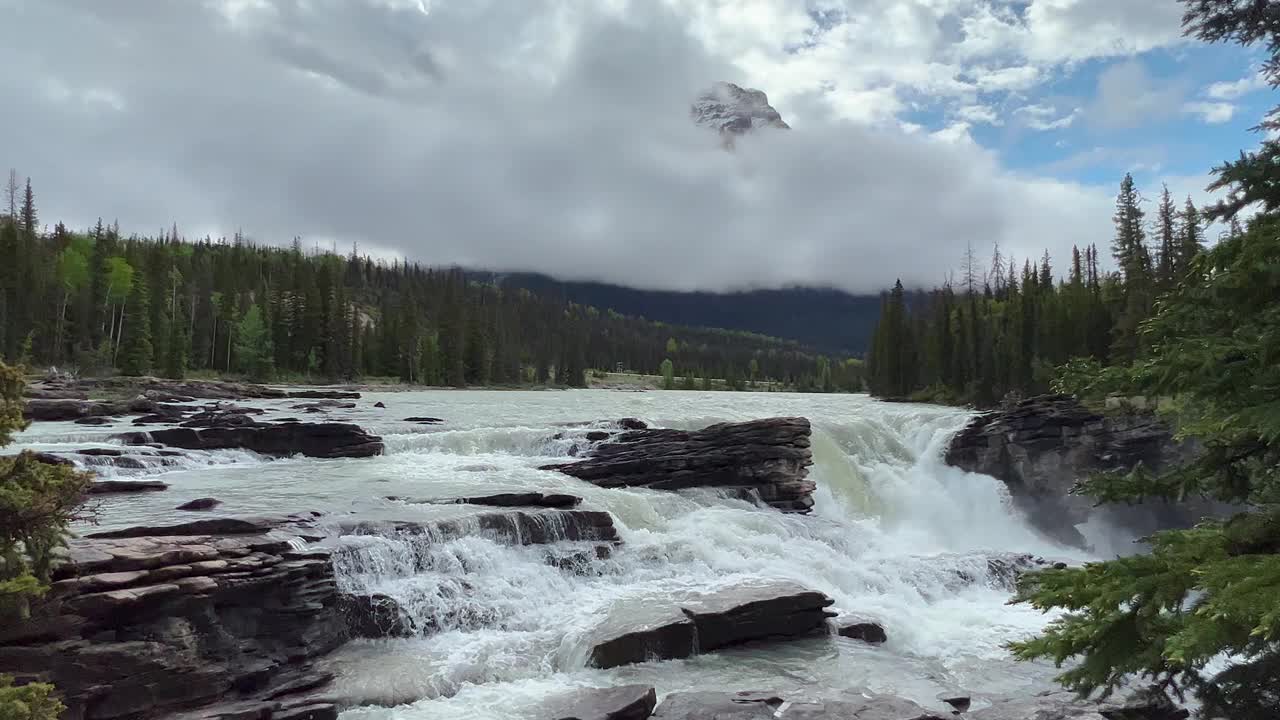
(1190, 238)
(253, 352)
(1167, 234)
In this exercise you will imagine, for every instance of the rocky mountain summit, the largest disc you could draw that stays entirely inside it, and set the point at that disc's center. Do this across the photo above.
(734, 110)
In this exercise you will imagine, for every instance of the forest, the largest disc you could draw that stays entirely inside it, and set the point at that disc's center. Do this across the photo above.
(1006, 330)
(96, 302)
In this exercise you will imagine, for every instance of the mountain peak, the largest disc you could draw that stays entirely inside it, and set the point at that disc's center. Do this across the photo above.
(730, 108)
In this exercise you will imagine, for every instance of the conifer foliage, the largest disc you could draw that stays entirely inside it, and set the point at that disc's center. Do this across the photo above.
(1207, 594)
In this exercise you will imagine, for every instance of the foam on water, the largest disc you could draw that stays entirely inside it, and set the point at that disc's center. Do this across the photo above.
(894, 534)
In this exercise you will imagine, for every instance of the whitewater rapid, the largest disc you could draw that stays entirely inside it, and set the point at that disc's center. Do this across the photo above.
(895, 535)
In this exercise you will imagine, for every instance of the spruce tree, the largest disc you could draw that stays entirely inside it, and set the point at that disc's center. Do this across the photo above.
(1167, 236)
(135, 346)
(1190, 238)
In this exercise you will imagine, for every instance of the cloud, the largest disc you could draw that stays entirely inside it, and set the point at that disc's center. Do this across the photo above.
(1214, 113)
(543, 135)
(1128, 96)
(1045, 117)
(1230, 90)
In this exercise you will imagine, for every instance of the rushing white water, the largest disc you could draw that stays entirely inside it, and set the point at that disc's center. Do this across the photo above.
(894, 534)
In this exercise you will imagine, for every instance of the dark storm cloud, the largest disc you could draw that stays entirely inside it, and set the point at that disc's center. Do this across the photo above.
(540, 135)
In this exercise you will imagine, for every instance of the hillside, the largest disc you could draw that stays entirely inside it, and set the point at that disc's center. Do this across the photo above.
(830, 320)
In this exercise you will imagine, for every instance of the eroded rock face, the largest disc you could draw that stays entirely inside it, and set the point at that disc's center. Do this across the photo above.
(732, 109)
(321, 440)
(142, 627)
(709, 622)
(1041, 446)
(512, 527)
(769, 458)
(628, 702)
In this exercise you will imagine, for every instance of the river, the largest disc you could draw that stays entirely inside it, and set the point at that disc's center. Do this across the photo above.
(894, 534)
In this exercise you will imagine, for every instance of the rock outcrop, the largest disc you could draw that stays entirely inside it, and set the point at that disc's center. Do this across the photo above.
(735, 110)
(320, 440)
(709, 622)
(104, 487)
(1041, 446)
(768, 459)
(512, 500)
(628, 702)
(138, 627)
(1063, 705)
(512, 527)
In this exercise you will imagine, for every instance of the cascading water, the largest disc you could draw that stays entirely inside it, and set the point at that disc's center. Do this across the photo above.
(894, 534)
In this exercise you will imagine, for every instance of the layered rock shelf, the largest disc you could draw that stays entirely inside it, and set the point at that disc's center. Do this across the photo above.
(319, 440)
(768, 459)
(709, 622)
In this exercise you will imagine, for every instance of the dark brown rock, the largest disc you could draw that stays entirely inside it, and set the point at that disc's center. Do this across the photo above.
(102, 487)
(868, 631)
(627, 702)
(94, 420)
(200, 504)
(211, 526)
(324, 394)
(767, 458)
(322, 440)
(424, 420)
(709, 622)
(375, 616)
(529, 499)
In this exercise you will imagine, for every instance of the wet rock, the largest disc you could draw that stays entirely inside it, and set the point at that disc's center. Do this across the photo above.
(102, 487)
(529, 499)
(751, 705)
(58, 410)
(321, 440)
(961, 703)
(866, 630)
(627, 702)
(512, 527)
(149, 627)
(709, 622)
(375, 616)
(43, 392)
(94, 420)
(324, 395)
(1040, 447)
(424, 420)
(101, 452)
(769, 458)
(200, 504)
(379, 404)
(52, 459)
(1064, 705)
(211, 526)
(579, 562)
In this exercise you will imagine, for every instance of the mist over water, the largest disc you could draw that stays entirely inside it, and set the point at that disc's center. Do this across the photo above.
(894, 535)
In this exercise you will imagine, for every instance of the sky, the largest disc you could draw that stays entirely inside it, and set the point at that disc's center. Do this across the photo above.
(554, 135)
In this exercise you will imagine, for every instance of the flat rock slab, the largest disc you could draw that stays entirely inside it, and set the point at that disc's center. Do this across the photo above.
(102, 487)
(705, 622)
(320, 440)
(752, 705)
(527, 499)
(627, 702)
(769, 458)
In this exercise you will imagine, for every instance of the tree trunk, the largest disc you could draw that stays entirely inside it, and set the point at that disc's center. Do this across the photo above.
(120, 333)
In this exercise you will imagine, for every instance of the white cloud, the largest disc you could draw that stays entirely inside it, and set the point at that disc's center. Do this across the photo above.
(979, 114)
(1128, 96)
(1214, 113)
(1234, 89)
(1045, 117)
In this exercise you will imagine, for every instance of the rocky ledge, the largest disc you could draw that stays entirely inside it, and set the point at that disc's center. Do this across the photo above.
(768, 459)
(636, 702)
(320, 440)
(1040, 447)
(707, 622)
(223, 617)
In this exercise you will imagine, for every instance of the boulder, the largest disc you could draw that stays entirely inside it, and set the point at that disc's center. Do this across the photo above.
(200, 504)
(322, 440)
(1064, 705)
(768, 459)
(58, 410)
(93, 420)
(1040, 447)
(322, 405)
(750, 705)
(102, 487)
(379, 404)
(211, 526)
(424, 420)
(709, 622)
(626, 702)
(868, 631)
(375, 616)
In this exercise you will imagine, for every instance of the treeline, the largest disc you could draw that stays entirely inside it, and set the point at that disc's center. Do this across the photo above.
(1004, 331)
(95, 301)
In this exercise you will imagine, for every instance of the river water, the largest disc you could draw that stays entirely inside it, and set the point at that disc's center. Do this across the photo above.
(895, 535)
